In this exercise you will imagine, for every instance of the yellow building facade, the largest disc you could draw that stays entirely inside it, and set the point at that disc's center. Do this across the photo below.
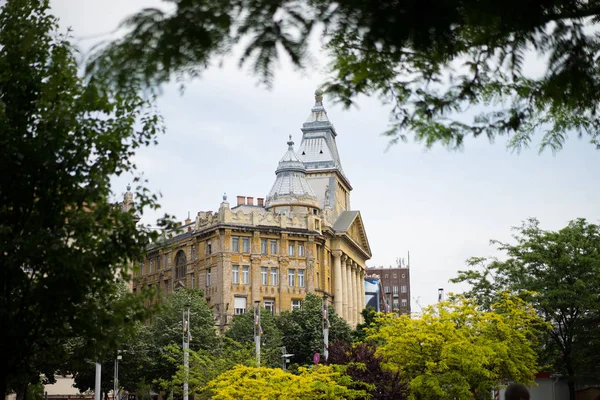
(301, 238)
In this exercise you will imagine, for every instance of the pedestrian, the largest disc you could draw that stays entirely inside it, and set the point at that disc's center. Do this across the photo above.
(516, 391)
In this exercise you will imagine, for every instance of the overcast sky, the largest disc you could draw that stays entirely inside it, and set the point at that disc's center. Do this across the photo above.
(226, 134)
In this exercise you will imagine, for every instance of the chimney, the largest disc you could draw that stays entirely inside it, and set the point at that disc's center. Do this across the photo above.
(250, 201)
(260, 201)
(240, 200)
(188, 220)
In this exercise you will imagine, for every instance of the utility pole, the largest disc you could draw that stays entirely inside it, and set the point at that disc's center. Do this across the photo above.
(187, 338)
(326, 327)
(257, 331)
(97, 388)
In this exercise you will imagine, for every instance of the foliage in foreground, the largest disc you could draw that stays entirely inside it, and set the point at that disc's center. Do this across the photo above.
(456, 350)
(449, 69)
(64, 245)
(558, 272)
(319, 382)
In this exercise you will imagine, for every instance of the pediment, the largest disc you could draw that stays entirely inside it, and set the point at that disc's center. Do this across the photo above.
(350, 223)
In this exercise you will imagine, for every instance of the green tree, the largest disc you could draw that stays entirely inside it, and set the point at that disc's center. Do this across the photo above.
(559, 273)
(319, 382)
(242, 331)
(303, 330)
(457, 350)
(432, 61)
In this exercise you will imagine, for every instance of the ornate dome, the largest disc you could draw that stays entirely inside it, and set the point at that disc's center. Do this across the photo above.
(291, 187)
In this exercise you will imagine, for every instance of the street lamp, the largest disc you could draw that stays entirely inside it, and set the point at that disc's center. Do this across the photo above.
(286, 357)
(116, 378)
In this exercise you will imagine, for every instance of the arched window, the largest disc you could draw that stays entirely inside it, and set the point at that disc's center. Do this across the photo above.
(180, 261)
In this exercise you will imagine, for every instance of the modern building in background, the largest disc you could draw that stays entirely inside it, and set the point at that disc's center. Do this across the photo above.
(374, 294)
(396, 285)
(303, 237)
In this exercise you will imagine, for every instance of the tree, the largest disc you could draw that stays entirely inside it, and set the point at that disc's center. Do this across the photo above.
(432, 61)
(303, 330)
(319, 382)
(366, 369)
(559, 273)
(242, 331)
(370, 317)
(456, 350)
(63, 241)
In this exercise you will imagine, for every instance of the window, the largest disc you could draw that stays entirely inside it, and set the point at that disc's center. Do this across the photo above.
(158, 263)
(263, 246)
(194, 254)
(291, 248)
(142, 267)
(239, 305)
(404, 302)
(246, 245)
(395, 304)
(273, 246)
(386, 289)
(386, 275)
(296, 304)
(264, 275)
(208, 248)
(395, 276)
(166, 261)
(269, 304)
(208, 271)
(274, 276)
(180, 261)
(403, 289)
(193, 278)
(246, 275)
(151, 266)
(395, 289)
(235, 244)
(166, 288)
(403, 276)
(318, 280)
(301, 278)
(300, 250)
(291, 277)
(235, 274)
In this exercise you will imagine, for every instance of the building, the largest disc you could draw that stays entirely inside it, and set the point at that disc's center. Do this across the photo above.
(303, 237)
(374, 295)
(396, 286)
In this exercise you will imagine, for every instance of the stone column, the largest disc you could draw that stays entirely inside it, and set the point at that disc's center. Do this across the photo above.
(337, 281)
(362, 292)
(344, 313)
(355, 293)
(350, 309)
(309, 274)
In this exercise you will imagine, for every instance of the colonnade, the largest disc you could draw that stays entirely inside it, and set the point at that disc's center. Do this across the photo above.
(349, 288)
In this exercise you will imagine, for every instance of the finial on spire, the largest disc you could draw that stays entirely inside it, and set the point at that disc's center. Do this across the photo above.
(224, 196)
(128, 187)
(290, 143)
(318, 96)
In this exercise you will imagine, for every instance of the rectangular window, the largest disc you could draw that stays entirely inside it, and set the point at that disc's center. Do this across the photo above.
(404, 303)
(386, 289)
(291, 277)
(235, 274)
(273, 246)
(269, 305)
(246, 275)
(395, 304)
(208, 248)
(395, 289)
(194, 253)
(167, 261)
(403, 289)
(263, 246)
(166, 288)
(158, 263)
(239, 305)
(151, 266)
(193, 278)
(300, 250)
(142, 267)
(291, 248)
(246, 245)
(301, 278)
(264, 275)
(274, 276)
(208, 271)
(296, 304)
(235, 244)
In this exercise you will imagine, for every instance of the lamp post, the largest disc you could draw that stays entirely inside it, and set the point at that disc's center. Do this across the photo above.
(187, 338)
(116, 378)
(257, 331)
(326, 326)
